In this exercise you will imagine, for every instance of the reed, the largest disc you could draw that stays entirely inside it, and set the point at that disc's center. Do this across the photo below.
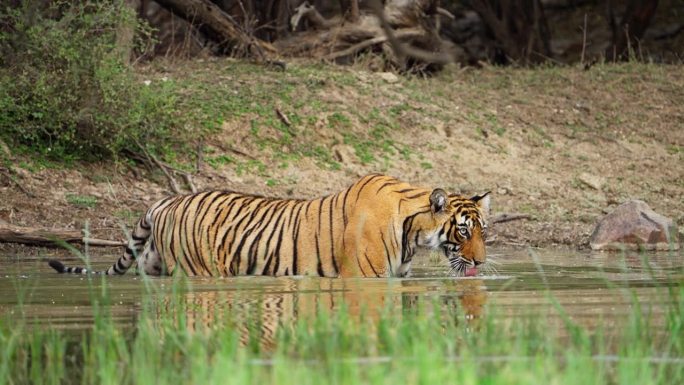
(427, 343)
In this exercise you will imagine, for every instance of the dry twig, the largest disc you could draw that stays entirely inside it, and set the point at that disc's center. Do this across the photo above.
(169, 177)
(167, 170)
(506, 217)
(283, 118)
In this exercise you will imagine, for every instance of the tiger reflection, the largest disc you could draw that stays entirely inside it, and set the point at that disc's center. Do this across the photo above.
(257, 315)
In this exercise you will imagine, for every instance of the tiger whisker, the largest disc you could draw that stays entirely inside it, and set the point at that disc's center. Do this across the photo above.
(457, 266)
(493, 261)
(489, 267)
(490, 270)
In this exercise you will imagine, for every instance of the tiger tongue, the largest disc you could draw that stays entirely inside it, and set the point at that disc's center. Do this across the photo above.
(471, 271)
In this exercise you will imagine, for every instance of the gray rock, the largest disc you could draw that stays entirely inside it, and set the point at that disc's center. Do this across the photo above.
(593, 181)
(633, 225)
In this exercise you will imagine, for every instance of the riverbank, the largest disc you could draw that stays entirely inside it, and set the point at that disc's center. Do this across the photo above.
(563, 146)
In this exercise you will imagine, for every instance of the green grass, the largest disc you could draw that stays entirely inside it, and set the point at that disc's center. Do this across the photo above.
(427, 342)
(85, 201)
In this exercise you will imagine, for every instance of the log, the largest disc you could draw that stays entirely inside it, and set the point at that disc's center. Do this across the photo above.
(219, 26)
(53, 238)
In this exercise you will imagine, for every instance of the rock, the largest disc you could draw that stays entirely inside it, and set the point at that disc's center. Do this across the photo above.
(504, 190)
(443, 129)
(633, 225)
(388, 77)
(593, 181)
(343, 153)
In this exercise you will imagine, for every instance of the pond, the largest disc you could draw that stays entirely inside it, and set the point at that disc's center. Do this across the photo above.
(591, 288)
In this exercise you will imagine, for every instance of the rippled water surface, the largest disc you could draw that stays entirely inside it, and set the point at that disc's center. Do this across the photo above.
(592, 288)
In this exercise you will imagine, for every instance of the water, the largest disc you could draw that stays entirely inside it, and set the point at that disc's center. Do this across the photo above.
(592, 288)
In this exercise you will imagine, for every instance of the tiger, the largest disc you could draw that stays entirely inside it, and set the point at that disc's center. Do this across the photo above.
(371, 229)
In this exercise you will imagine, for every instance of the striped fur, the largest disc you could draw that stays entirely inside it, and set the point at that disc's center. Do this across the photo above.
(371, 229)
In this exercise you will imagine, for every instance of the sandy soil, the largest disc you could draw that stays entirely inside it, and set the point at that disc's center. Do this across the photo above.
(564, 146)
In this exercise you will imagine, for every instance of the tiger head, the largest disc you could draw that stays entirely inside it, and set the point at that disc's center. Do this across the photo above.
(461, 229)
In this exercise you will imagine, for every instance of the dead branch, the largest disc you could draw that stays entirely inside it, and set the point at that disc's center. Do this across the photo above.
(402, 51)
(283, 118)
(12, 179)
(445, 13)
(219, 25)
(188, 181)
(43, 237)
(400, 34)
(507, 217)
(149, 159)
(241, 153)
(308, 11)
(152, 159)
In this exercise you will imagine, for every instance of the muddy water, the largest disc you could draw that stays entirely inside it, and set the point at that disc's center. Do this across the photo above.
(593, 289)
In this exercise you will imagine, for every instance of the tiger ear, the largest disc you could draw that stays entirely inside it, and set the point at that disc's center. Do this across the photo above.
(482, 201)
(438, 200)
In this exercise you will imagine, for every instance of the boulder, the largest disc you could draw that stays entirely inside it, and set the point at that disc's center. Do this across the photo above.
(633, 225)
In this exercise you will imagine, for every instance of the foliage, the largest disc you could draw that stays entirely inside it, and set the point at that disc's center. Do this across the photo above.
(85, 201)
(66, 89)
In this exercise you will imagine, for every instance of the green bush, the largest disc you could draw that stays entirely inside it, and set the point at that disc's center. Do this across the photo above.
(66, 88)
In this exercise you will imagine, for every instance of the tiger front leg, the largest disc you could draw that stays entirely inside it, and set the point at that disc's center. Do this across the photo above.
(367, 255)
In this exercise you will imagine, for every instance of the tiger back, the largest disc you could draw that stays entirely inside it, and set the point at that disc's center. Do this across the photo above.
(371, 229)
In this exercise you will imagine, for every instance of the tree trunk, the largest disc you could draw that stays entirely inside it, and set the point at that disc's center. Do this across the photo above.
(628, 34)
(520, 28)
(354, 11)
(125, 34)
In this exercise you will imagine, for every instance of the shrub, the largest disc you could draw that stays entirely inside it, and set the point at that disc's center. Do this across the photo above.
(66, 88)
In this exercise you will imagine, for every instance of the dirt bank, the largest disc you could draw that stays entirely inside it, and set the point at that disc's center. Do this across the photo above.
(562, 145)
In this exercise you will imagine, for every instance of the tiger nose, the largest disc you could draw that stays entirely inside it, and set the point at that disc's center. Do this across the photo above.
(477, 262)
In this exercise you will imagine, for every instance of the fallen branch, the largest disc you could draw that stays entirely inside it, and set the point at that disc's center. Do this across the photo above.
(12, 179)
(401, 50)
(400, 34)
(501, 218)
(43, 237)
(308, 11)
(283, 118)
(235, 151)
(221, 27)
